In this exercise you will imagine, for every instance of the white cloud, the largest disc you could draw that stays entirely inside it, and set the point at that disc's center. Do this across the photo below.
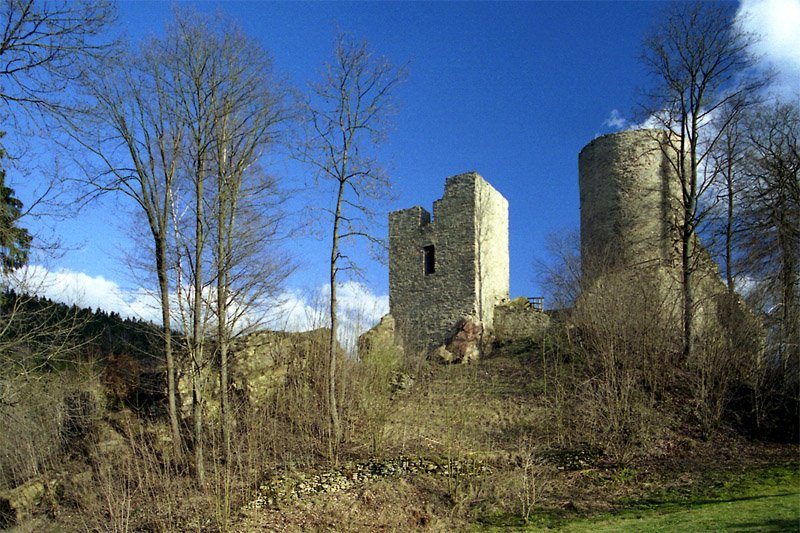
(293, 310)
(359, 309)
(777, 23)
(658, 120)
(616, 120)
(78, 288)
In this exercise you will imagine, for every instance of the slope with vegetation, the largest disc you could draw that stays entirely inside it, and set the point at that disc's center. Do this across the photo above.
(519, 439)
(622, 403)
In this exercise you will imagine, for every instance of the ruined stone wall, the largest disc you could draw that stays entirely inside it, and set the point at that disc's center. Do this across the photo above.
(429, 306)
(518, 319)
(491, 228)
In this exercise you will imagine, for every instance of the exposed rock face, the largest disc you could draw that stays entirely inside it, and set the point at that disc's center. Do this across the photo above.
(261, 360)
(18, 504)
(259, 366)
(465, 346)
(449, 267)
(517, 319)
(380, 337)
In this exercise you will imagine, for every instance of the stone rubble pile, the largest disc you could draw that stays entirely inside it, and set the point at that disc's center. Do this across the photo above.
(287, 486)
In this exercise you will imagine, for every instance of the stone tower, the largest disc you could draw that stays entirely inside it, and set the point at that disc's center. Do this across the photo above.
(628, 199)
(453, 266)
(630, 214)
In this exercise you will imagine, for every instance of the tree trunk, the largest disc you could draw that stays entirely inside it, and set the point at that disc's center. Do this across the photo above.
(729, 222)
(163, 285)
(333, 447)
(197, 413)
(222, 311)
(222, 340)
(790, 325)
(197, 329)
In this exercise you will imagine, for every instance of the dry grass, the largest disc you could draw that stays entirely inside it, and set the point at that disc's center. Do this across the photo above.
(474, 409)
(520, 413)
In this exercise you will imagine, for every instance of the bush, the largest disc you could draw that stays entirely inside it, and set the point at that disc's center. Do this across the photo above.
(627, 338)
(44, 416)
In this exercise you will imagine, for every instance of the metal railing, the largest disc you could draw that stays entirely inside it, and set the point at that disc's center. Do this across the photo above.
(537, 302)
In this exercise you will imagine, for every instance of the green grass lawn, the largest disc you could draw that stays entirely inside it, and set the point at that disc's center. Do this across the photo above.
(757, 500)
(771, 513)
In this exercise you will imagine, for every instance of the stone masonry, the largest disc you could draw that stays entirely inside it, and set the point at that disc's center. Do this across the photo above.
(628, 199)
(517, 319)
(451, 268)
(630, 214)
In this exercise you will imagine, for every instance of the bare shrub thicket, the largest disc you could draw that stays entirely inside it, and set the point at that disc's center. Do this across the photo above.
(133, 486)
(297, 411)
(43, 391)
(524, 488)
(373, 381)
(44, 417)
(616, 364)
(617, 372)
(627, 339)
(729, 356)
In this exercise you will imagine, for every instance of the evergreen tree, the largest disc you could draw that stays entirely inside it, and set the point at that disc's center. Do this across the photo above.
(15, 241)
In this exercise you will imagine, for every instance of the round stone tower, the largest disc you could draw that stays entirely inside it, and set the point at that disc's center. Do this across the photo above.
(628, 204)
(630, 219)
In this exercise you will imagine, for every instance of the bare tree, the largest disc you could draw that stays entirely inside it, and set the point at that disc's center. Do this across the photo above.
(42, 44)
(44, 47)
(136, 134)
(197, 73)
(560, 273)
(346, 113)
(698, 58)
(770, 217)
(249, 110)
(226, 220)
(728, 165)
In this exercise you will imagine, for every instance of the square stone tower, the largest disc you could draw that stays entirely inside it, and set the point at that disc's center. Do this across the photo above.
(448, 268)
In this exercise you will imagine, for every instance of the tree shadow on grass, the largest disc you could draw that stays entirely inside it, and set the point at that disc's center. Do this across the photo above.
(770, 526)
(743, 498)
(653, 503)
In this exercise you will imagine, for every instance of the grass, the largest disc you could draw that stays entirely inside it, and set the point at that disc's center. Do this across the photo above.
(757, 513)
(763, 500)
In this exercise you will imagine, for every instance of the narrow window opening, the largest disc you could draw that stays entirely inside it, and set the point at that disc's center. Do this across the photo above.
(429, 259)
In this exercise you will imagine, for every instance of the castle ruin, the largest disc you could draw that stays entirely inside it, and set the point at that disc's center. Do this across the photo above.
(630, 201)
(450, 272)
(450, 268)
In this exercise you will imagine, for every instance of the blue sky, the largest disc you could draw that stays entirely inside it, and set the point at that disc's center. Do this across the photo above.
(512, 90)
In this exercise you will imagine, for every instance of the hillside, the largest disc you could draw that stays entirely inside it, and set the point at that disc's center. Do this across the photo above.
(517, 438)
(499, 450)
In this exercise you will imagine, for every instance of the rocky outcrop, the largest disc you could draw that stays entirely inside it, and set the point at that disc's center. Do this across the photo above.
(466, 345)
(20, 503)
(259, 366)
(380, 338)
